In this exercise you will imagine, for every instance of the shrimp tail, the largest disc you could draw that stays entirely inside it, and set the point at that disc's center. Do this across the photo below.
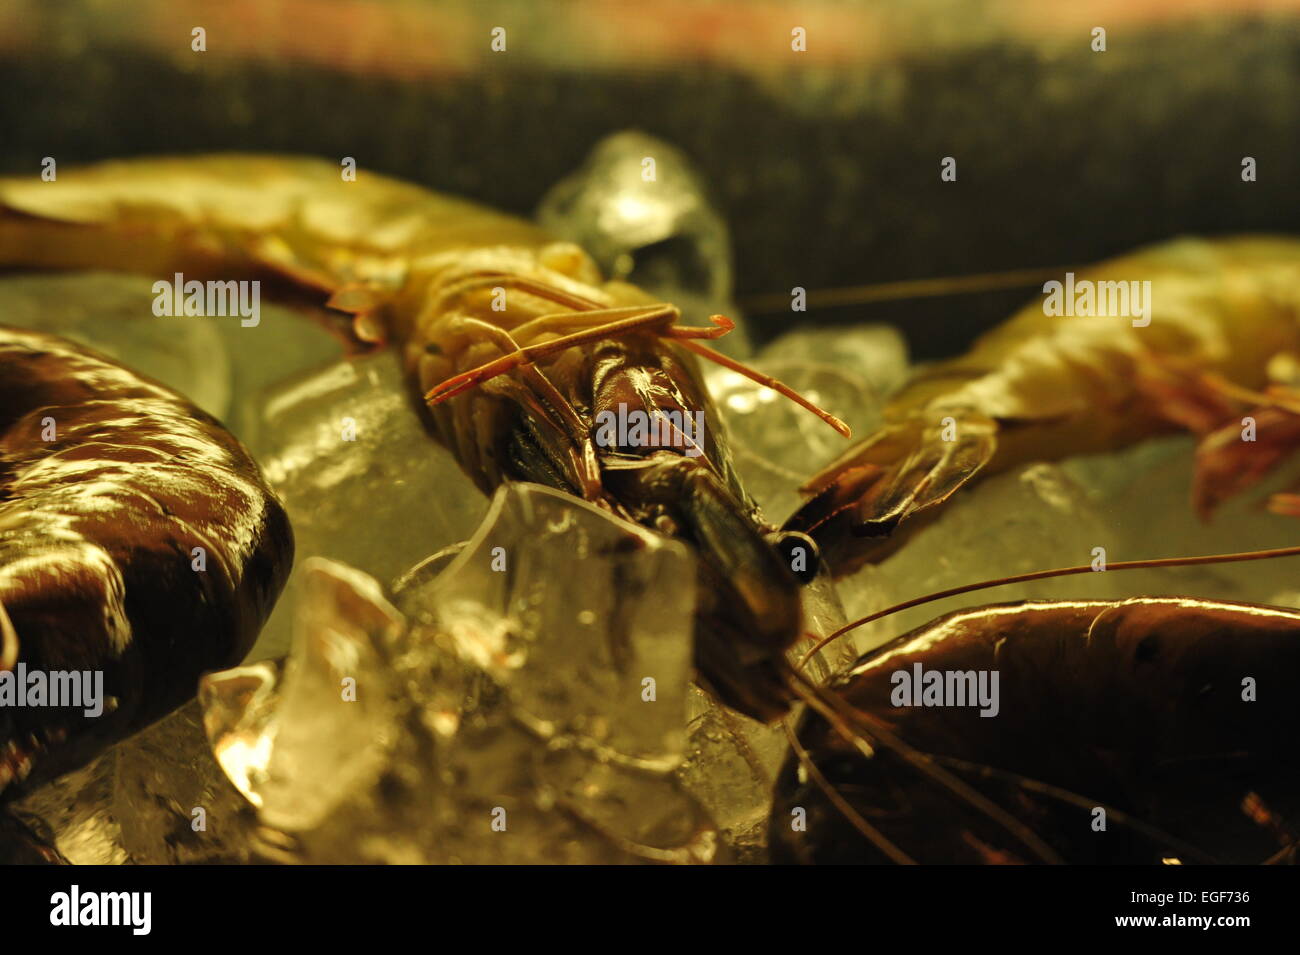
(1227, 465)
(1244, 434)
(907, 467)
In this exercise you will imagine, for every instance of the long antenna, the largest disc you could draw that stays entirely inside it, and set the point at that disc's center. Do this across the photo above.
(770, 302)
(1043, 575)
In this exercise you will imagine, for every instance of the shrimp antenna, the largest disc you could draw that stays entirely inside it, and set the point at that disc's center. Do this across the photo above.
(769, 303)
(874, 835)
(1155, 834)
(780, 387)
(1043, 575)
(595, 322)
(842, 716)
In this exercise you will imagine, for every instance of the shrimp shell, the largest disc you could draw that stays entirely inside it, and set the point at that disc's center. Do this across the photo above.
(108, 484)
(1139, 707)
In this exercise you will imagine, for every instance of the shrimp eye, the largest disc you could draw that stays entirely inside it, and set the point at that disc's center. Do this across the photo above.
(800, 553)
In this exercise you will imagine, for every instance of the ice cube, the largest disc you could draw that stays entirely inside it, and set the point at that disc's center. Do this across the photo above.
(76, 810)
(362, 480)
(526, 704)
(1032, 518)
(113, 314)
(1144, 494)
(876, 355)
(204, 358)
(172, 801)
(776, 444)
(643, 213)
(732, 761)
(1134, 503)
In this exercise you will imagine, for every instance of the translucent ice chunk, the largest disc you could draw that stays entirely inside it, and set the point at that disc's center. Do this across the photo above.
(732, 761)
(638, 206)
(776, 444)
(172, 801)
(593, 608)
(526, 704)
(204, 358)
(1132, 504)
(1144, 493)
(276, 747)
(76, 809)
(361, 478)
(158, 798)
(873, 354)
(1031, 519)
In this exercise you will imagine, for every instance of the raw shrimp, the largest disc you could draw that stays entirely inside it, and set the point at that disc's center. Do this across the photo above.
(1042, 386)
(517, 347)
(139, 548)
(1139, 731)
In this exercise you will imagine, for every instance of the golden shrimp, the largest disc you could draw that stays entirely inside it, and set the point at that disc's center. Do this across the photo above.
(520, 351)
(1042, 386)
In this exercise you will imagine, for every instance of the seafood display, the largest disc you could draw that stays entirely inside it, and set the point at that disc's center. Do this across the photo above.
(489, 314)
(624, 556)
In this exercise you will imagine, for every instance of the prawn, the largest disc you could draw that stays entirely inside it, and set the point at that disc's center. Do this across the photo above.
(1141, 731)
(1042, 386)
(514, 344)
(139, 545)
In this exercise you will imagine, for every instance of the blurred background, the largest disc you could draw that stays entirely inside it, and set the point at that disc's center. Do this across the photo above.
(825, 163)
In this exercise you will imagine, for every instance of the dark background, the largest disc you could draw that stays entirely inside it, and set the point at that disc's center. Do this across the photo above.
(826, 164)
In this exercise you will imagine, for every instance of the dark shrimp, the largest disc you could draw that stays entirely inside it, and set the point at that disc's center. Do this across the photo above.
(137, 540)
(1172, 721)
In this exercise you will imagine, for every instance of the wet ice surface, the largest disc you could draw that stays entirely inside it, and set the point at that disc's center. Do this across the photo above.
(521, 689)
(113, 314)
(361, 479)
(1134, 503)
(776, 444)
(501, 694)
(652, 224)
(75, 811)
(210, 360)
(732, 761)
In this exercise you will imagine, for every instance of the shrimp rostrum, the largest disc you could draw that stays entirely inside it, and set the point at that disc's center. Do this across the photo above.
(518, 349)
(139, 548)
